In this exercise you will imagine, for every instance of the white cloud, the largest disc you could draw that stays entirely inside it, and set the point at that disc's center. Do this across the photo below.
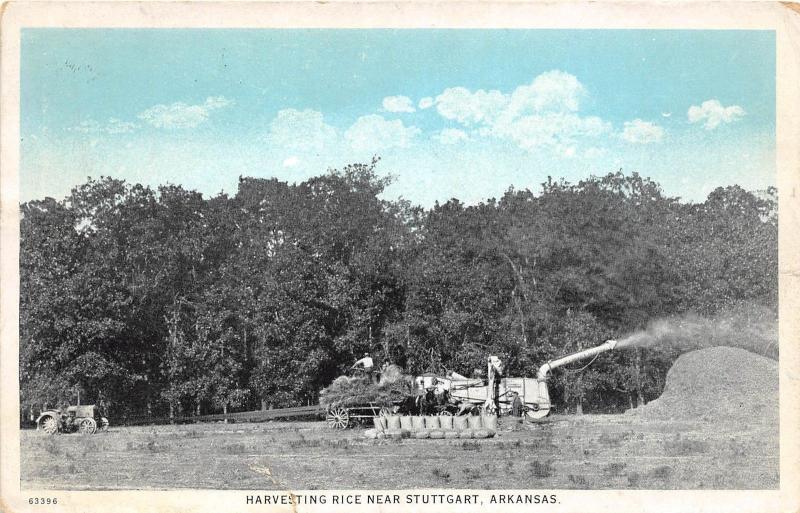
(451, 136)
(642, 132)
(179, 115)
(713, 113)
(301, 130)
(87, 126)
(217, 102)
(373, 133)
(548, 129)
(594, 152)
(291, 161)
(554, 90)
(426, 103)
(542, 113)
(116, 126)
(113, 126)
(398, 104)
(466, 107)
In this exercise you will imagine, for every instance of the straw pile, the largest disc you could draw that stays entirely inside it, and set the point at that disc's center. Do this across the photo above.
(391, 374)
(717, 384)
(347, 391)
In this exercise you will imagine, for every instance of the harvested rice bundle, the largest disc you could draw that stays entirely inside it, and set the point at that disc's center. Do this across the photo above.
(393, 422)
(395, 434)
(474, 422)
(482, 433)
(446, 422)
(405, 423)
(431, 422)
(490, 422)
(391, 374)
(346, 391)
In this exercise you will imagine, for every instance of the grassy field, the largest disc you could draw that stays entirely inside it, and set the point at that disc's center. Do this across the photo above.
(585, 452)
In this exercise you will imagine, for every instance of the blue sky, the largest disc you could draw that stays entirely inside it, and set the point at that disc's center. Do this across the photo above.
(452, 113)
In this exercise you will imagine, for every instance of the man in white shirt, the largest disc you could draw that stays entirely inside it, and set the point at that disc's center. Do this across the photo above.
(367, 364)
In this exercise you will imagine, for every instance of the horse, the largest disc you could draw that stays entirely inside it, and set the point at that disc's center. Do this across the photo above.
(426, 403)
(409, 406)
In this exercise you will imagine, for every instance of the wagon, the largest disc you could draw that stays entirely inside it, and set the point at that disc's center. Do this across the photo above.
(349, 401)
(342, 417)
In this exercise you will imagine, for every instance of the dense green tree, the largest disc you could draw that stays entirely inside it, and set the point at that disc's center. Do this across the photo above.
(166, 302)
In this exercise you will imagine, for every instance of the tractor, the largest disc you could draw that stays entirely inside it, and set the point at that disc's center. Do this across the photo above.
(84, 419)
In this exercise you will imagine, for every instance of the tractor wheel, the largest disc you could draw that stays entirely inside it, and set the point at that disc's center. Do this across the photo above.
(49, 425)
(87, 426)
(338, 418)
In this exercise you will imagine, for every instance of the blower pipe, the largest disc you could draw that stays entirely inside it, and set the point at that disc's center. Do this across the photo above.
(608, 345)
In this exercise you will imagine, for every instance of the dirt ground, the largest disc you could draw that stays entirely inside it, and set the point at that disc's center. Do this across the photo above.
(564, 452)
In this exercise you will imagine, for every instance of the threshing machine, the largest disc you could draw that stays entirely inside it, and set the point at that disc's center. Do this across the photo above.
(532, 391)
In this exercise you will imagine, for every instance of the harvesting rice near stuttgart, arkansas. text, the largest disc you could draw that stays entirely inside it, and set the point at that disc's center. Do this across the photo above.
(408, 498)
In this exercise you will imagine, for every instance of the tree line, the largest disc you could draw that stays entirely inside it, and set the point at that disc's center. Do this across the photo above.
(165, 302)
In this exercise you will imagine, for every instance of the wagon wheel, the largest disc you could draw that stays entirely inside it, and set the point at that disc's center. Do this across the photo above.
(385, 411)
(49, 425)
(103, 424)
(338, 418)
(445, 413)
(87, 426)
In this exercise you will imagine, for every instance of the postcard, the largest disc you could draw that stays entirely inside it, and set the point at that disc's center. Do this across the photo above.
(411, 256)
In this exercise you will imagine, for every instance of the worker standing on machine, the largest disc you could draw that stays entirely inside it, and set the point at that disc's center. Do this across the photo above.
(368, 365)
